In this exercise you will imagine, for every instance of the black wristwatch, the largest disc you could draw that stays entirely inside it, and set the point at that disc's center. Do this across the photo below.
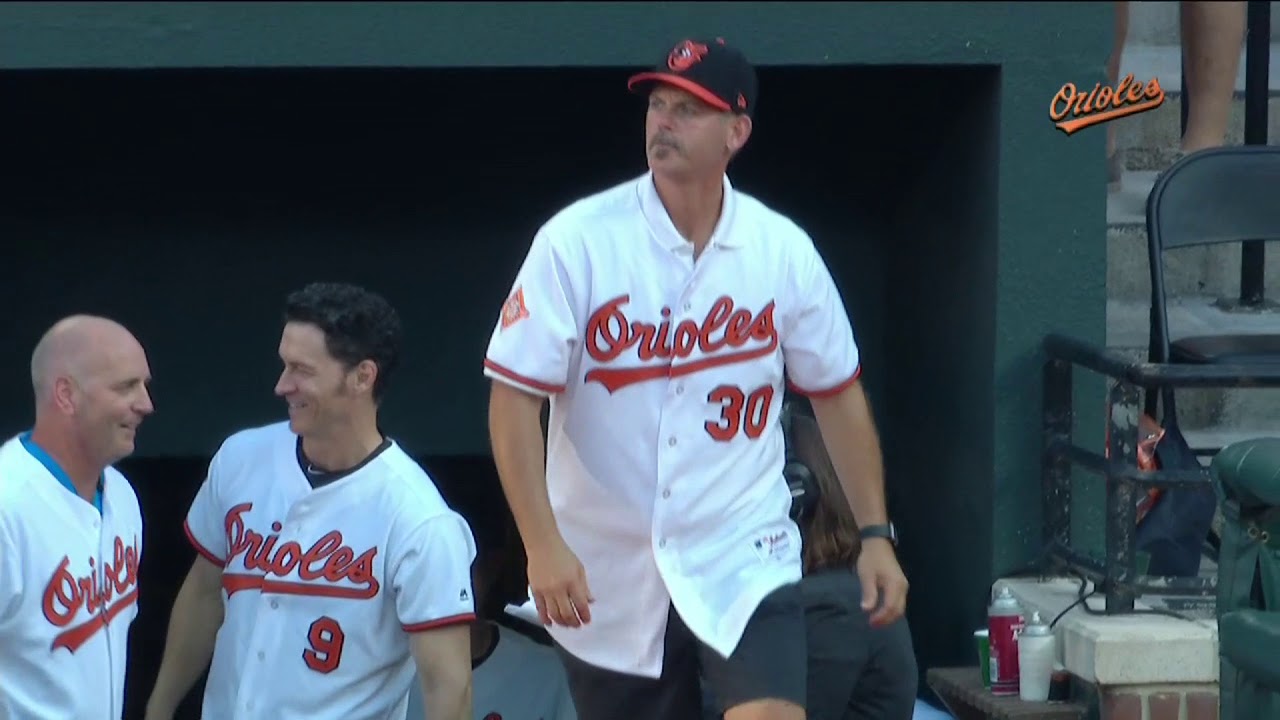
(886, 531)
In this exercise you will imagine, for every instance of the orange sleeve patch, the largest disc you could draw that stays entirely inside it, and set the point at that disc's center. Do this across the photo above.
(514, 310)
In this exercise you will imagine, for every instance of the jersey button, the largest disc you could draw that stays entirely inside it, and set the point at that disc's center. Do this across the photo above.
(262, 655)
(666, 494)
(687, 306)
(275, 605)
(679, 389)
(662, 543)
(671, 441)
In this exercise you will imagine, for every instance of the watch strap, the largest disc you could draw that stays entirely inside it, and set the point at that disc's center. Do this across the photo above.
(886, 531)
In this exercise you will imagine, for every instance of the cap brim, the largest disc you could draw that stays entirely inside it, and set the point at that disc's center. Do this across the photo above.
(645, 79)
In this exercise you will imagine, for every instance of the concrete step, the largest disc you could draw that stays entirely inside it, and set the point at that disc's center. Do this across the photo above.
(1215, 414)
(1121, 650)
(1163, 61)
(1157, 23)
(1150, 139)
(1220, 438)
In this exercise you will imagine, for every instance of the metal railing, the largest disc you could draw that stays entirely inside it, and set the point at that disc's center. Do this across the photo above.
(1253, 253)
(1116, 575)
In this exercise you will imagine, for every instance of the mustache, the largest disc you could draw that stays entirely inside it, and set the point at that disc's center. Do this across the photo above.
(662, 140)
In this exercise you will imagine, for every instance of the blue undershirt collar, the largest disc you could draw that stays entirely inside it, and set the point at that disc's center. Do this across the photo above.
(56, 470)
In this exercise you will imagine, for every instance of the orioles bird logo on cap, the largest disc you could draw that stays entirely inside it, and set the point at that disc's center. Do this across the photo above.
(686, 55)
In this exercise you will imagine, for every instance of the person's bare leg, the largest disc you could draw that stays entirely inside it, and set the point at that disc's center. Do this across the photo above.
(1114, 161)
(1212, 35)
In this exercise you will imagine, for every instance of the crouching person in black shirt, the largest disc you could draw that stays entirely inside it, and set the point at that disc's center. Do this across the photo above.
(856, 671)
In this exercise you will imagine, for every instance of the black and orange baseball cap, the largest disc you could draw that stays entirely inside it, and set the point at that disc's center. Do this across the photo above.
(713, 71)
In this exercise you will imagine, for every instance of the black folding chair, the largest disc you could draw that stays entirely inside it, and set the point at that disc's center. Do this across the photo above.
(1215, 196)
(1220, 195)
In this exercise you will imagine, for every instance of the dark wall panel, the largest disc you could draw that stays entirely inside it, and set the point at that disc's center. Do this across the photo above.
(187, 204)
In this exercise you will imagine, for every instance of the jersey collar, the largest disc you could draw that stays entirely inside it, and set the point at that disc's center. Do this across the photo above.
(56, 470)
(664, 231)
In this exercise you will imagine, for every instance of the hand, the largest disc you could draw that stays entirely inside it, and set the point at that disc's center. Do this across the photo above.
(883, 583)
(559, 585)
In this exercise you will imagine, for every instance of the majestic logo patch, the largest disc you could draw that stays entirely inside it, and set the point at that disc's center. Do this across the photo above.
(771, 546)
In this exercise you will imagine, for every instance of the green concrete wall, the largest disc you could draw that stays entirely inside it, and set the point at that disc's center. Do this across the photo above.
(960, 225)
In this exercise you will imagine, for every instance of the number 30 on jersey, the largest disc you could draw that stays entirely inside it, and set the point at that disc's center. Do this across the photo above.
(740, 412)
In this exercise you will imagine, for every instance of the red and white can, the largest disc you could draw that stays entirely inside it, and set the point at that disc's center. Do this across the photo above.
(1005, 621)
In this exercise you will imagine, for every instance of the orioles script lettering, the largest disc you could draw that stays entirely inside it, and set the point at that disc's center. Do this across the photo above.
(68, 597)
(610, 333)
(323, 568)
(1072, 109)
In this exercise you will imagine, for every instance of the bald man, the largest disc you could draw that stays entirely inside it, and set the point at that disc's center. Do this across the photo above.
(70, 527)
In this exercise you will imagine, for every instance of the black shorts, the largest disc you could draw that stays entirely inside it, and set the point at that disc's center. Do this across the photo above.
(769, 663)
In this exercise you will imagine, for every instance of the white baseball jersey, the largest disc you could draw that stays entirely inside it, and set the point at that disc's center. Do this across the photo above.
(518, 680)
(321, 587)
(68, 589)
(666, 375)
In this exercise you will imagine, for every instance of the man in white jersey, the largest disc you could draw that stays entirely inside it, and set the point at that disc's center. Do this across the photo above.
(328, 565)
(70, 527)
(514, 677)
(662, 318)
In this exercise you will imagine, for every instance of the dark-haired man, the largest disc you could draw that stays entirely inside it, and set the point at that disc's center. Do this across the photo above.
(328, 565)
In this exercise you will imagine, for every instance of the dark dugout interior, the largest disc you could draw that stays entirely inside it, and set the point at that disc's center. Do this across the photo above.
(188, 203)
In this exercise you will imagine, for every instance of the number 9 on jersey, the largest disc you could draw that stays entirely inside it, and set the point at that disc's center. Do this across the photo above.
(325, 652)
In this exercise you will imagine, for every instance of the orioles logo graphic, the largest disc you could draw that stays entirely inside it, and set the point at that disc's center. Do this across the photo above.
(686, 55)
(94, 598)
(610, 333)
(329, 568)
(514, 310)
